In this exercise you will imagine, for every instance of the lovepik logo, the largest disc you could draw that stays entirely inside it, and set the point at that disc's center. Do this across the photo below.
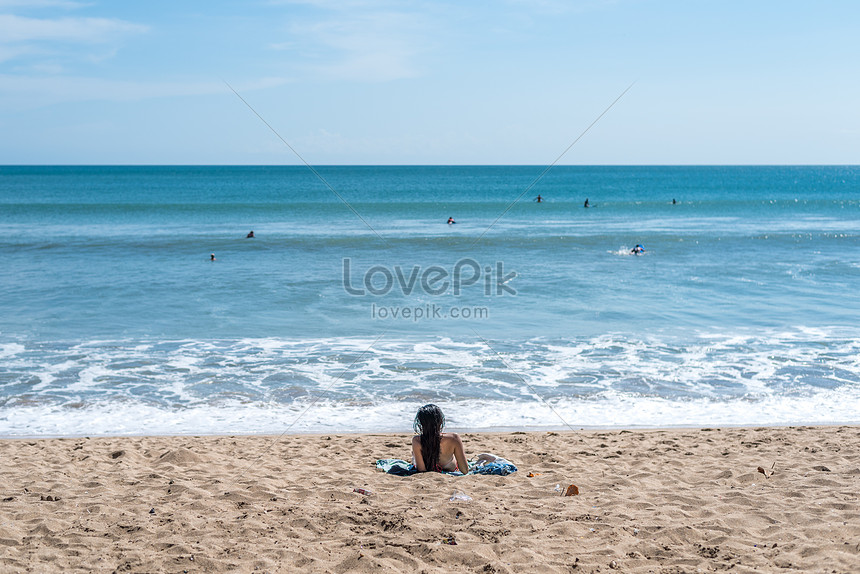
(380, 280)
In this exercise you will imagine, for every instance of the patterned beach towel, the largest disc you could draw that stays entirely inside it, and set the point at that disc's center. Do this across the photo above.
(484, 465)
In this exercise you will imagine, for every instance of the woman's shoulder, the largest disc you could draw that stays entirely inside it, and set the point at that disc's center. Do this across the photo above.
(451, 436)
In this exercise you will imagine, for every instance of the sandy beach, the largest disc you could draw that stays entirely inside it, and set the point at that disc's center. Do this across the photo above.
(650, 501)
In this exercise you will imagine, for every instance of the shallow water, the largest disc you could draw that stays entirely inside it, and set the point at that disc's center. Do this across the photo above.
(113, 320)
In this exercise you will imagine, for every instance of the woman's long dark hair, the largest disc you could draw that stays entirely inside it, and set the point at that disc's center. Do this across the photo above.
(428, 423)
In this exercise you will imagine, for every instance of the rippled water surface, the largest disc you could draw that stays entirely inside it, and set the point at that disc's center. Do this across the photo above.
(113, 319)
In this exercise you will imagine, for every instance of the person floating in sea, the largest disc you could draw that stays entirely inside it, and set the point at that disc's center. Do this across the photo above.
(432, 449)
(586, 203)
(638, 250)
(451, 221)
(250, 235)
(673, 201)
(211, 257)
(539, 198)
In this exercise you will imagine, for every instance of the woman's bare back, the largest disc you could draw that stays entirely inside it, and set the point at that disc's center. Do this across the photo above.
(452, 455)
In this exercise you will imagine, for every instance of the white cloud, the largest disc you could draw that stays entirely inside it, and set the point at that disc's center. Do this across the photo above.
(27, 92)
(15, 29)
(12, 52)
(361, 40)
(67, 4)
(374, 47)
(562, 6)
(41, 45)
(340, 5)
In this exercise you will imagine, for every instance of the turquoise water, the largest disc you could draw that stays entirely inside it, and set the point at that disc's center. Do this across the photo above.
(113, 319)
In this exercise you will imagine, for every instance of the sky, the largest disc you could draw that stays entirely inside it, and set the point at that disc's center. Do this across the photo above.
(398, 82)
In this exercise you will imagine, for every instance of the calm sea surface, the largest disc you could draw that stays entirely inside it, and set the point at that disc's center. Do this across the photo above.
(355, 302)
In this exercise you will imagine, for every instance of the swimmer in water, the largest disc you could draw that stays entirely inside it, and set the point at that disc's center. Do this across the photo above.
(673, 201)
(638, 250)
(250, 235)
(586, 203)
(451, 221)
(539, 199)
(211, 257)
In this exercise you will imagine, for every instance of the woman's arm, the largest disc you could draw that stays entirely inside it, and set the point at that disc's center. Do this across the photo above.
(460, 454)
(417, 457)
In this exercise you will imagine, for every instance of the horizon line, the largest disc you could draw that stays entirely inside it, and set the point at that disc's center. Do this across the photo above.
(4, 165)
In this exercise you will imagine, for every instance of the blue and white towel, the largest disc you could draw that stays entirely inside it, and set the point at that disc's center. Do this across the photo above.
(485, 464)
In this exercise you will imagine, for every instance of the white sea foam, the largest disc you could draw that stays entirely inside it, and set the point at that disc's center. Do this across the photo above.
(609, 410)
(253, 385)
(10, 350)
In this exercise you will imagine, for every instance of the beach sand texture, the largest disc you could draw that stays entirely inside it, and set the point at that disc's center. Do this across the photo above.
(650, 501)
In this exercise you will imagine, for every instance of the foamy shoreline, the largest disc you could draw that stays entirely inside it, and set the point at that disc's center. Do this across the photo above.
(479, 430)
(668, 500)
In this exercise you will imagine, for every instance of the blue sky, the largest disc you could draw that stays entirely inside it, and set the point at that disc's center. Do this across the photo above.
(379, 82)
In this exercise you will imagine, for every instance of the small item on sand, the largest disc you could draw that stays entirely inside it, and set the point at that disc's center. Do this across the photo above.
(761, 470)
(449, 540)
(533, 474)
(557, 488)
(460, 496)
(363, 491)
(572, 490)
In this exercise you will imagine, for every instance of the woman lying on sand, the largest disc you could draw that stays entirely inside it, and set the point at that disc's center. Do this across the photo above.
(433, 449)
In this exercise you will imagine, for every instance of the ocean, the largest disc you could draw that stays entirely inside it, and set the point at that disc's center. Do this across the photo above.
(355, 302)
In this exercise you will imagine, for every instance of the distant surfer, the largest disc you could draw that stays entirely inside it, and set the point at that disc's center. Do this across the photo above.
(539, 199)
(673, 201)
(638, 250)
(211, 257)
(451, 221)
(250, 235)
(586, 203)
